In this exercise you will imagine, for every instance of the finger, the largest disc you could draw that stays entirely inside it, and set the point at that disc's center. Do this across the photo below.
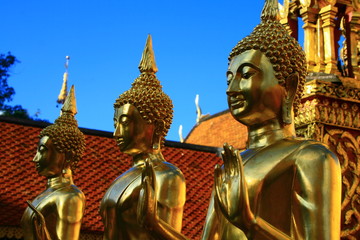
(232, 160)
(142, 203)
(147, 170)
(223, 155)
(152, 176)
(240, 164)
(144, 173)
(218, 183)
(231, 166)
(147, 166)
(221, 203)
(150, 196)
(237, 161)
(226, 159)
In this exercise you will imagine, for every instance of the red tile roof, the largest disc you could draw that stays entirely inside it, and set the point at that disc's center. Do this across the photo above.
(101, 164)
(211, 131)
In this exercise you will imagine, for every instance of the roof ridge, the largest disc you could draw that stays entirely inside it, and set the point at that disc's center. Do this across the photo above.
(204, 119)
(101, 133)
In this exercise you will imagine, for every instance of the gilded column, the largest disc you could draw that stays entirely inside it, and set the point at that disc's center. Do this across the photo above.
(289, 17)
(319, 57)
(309, 16)
(354, 39)
(327, 15)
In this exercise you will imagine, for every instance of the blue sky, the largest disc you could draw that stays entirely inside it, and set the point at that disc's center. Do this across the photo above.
(105, 40)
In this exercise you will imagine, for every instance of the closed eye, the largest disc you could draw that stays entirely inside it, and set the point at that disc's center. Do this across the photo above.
(248, 75)
(42, 148)
(115, 122)
(124, 120)
(229, 78)
(247, 71)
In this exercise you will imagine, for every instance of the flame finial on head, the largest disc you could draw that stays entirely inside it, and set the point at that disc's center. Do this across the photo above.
(270, 11)
(146, 93)
(70, 103)
(284, 52)
(147, 62)
(65, 133)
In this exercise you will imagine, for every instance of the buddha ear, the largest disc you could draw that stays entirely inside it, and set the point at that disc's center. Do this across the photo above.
(67, 161)
(291, 85)
(158, 132)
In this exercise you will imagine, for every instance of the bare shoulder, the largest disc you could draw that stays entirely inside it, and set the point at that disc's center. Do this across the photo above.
(71, 195)
(315, 158)
(71, 204)
(168, 171)
(170, 180)
(315, 151)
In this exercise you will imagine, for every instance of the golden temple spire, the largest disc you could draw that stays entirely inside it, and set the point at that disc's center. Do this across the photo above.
(270, 11)
(147, 62)
(63, 91)
(70, 103)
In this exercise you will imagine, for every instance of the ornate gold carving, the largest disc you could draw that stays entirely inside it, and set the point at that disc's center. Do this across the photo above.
(329, 111)
(328, 89)
(311, 131)
(346, 145)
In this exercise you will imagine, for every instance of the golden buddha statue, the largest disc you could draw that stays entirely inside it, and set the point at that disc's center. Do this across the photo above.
(57, 212)
(281, 186)
(143, 115)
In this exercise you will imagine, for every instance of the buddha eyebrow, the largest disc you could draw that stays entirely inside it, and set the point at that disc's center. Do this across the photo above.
(248, 65)
(42, 145)
(122, 115)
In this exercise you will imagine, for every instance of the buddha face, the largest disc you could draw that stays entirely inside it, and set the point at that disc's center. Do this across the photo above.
(132, 133)
(48, 161)
(254, 94)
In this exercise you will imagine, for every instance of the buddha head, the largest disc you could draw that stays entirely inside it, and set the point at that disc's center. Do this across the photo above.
(61, 144)
(266, 72)
(143, 114)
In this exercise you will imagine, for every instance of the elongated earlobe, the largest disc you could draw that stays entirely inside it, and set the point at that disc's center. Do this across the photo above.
(291, 85)
(158, 134)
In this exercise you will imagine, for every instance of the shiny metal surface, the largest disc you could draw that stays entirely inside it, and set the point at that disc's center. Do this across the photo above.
(281, 187)
(57, 212)
(142, 118)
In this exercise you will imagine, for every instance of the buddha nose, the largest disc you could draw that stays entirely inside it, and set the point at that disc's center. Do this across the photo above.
(231, 91)
(117, 131)
(234, 87)
(36, 158)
